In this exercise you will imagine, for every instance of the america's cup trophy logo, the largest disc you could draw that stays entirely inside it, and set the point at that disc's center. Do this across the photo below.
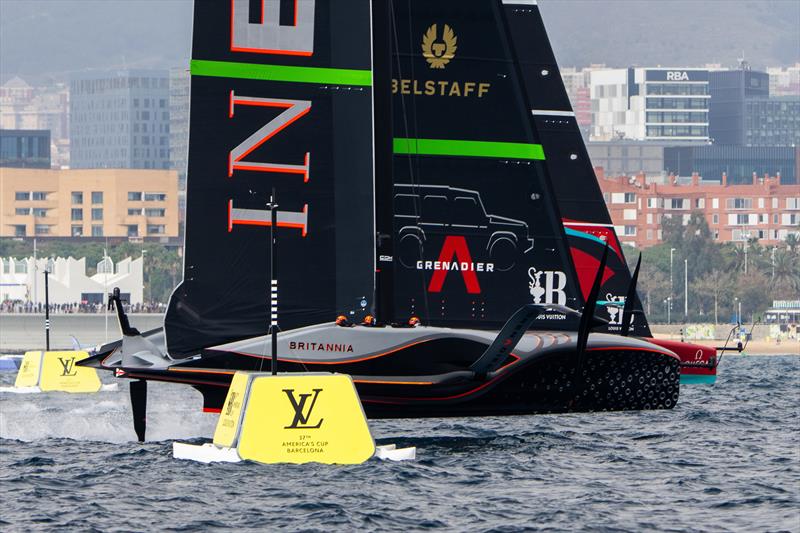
(535, 285)
(614, 307)
(439, 53)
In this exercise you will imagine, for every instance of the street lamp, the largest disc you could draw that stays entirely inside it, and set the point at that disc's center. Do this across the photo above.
(144, 271)
(737, 309)
(671, 252)
(745, 254)
(686, 290)
(773, 261)
(669, 309)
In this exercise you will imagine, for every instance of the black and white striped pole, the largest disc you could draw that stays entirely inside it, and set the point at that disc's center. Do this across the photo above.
(46, 310)
(273, 267)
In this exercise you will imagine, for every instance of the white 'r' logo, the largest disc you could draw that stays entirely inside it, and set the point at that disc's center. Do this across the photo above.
(553, 290)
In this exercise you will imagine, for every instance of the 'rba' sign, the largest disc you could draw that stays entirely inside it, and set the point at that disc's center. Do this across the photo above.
(677, 75)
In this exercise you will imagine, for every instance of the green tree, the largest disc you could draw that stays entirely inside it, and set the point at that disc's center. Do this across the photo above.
(752, 289)
(653, 287)
(711, 291)
(792, 242)
(786, 280)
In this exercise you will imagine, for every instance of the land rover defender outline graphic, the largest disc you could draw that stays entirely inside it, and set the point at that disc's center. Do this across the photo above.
(423, 210)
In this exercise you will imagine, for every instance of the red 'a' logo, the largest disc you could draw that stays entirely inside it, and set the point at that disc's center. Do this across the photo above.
(455, 256)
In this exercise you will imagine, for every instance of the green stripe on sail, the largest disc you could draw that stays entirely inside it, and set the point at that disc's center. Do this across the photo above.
(404, 145)
(253, 71)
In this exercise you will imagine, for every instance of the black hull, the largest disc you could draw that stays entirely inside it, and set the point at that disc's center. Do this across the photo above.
(606, 384)
(609, 380)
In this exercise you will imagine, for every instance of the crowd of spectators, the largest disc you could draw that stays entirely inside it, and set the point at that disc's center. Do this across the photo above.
(19, 306)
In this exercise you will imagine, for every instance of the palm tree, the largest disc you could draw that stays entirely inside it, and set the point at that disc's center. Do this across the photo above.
(792, 242)
(734, 258)
(787, 274)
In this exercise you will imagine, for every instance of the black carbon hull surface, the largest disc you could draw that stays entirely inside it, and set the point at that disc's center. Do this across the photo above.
(606, 380)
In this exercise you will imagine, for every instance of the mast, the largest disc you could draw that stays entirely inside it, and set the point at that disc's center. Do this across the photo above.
(382, 108)
(273, 272)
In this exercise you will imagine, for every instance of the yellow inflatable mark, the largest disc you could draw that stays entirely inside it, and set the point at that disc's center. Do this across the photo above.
(61, 373)
(231, 414)
(28, 374)
(303, 418)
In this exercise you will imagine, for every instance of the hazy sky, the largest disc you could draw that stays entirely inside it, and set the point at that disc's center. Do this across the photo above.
(54, 37)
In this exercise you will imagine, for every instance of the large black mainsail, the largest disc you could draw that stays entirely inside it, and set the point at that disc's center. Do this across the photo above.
(477, 232)
(281, 97)
(585, 216)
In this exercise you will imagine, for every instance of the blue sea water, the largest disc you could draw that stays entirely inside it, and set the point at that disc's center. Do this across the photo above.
(727, 458)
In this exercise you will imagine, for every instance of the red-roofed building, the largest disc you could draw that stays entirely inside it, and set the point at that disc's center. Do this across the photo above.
(764, 209)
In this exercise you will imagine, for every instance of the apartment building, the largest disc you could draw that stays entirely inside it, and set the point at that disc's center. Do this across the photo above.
(127, 203)
(784, 81)
(23, 107)
(765, 208)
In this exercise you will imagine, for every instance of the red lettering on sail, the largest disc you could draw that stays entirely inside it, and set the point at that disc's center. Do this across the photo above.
(455, 246)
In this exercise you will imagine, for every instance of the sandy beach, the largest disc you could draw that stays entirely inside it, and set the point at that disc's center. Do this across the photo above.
(754, 347)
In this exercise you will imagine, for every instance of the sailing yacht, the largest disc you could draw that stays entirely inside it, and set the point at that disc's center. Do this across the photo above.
(416, 219)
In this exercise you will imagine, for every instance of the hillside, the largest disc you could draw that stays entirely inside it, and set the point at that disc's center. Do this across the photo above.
(49, 38)
(674, 32)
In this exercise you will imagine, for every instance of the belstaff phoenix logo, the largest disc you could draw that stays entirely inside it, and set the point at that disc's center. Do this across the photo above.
(301, 414)
(439, 53)
(68, 366)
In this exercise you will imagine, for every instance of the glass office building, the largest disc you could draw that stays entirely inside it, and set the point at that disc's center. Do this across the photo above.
(120, 119)
(773, 121)
(742, 112)
(25, 148)
(737, 162)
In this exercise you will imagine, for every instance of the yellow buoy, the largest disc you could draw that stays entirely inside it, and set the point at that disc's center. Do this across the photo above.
(231, 414)
(57, 371)
(28, 373)
(288, 418)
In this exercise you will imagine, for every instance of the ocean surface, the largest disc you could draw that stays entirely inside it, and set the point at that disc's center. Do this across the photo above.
(727, 458)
